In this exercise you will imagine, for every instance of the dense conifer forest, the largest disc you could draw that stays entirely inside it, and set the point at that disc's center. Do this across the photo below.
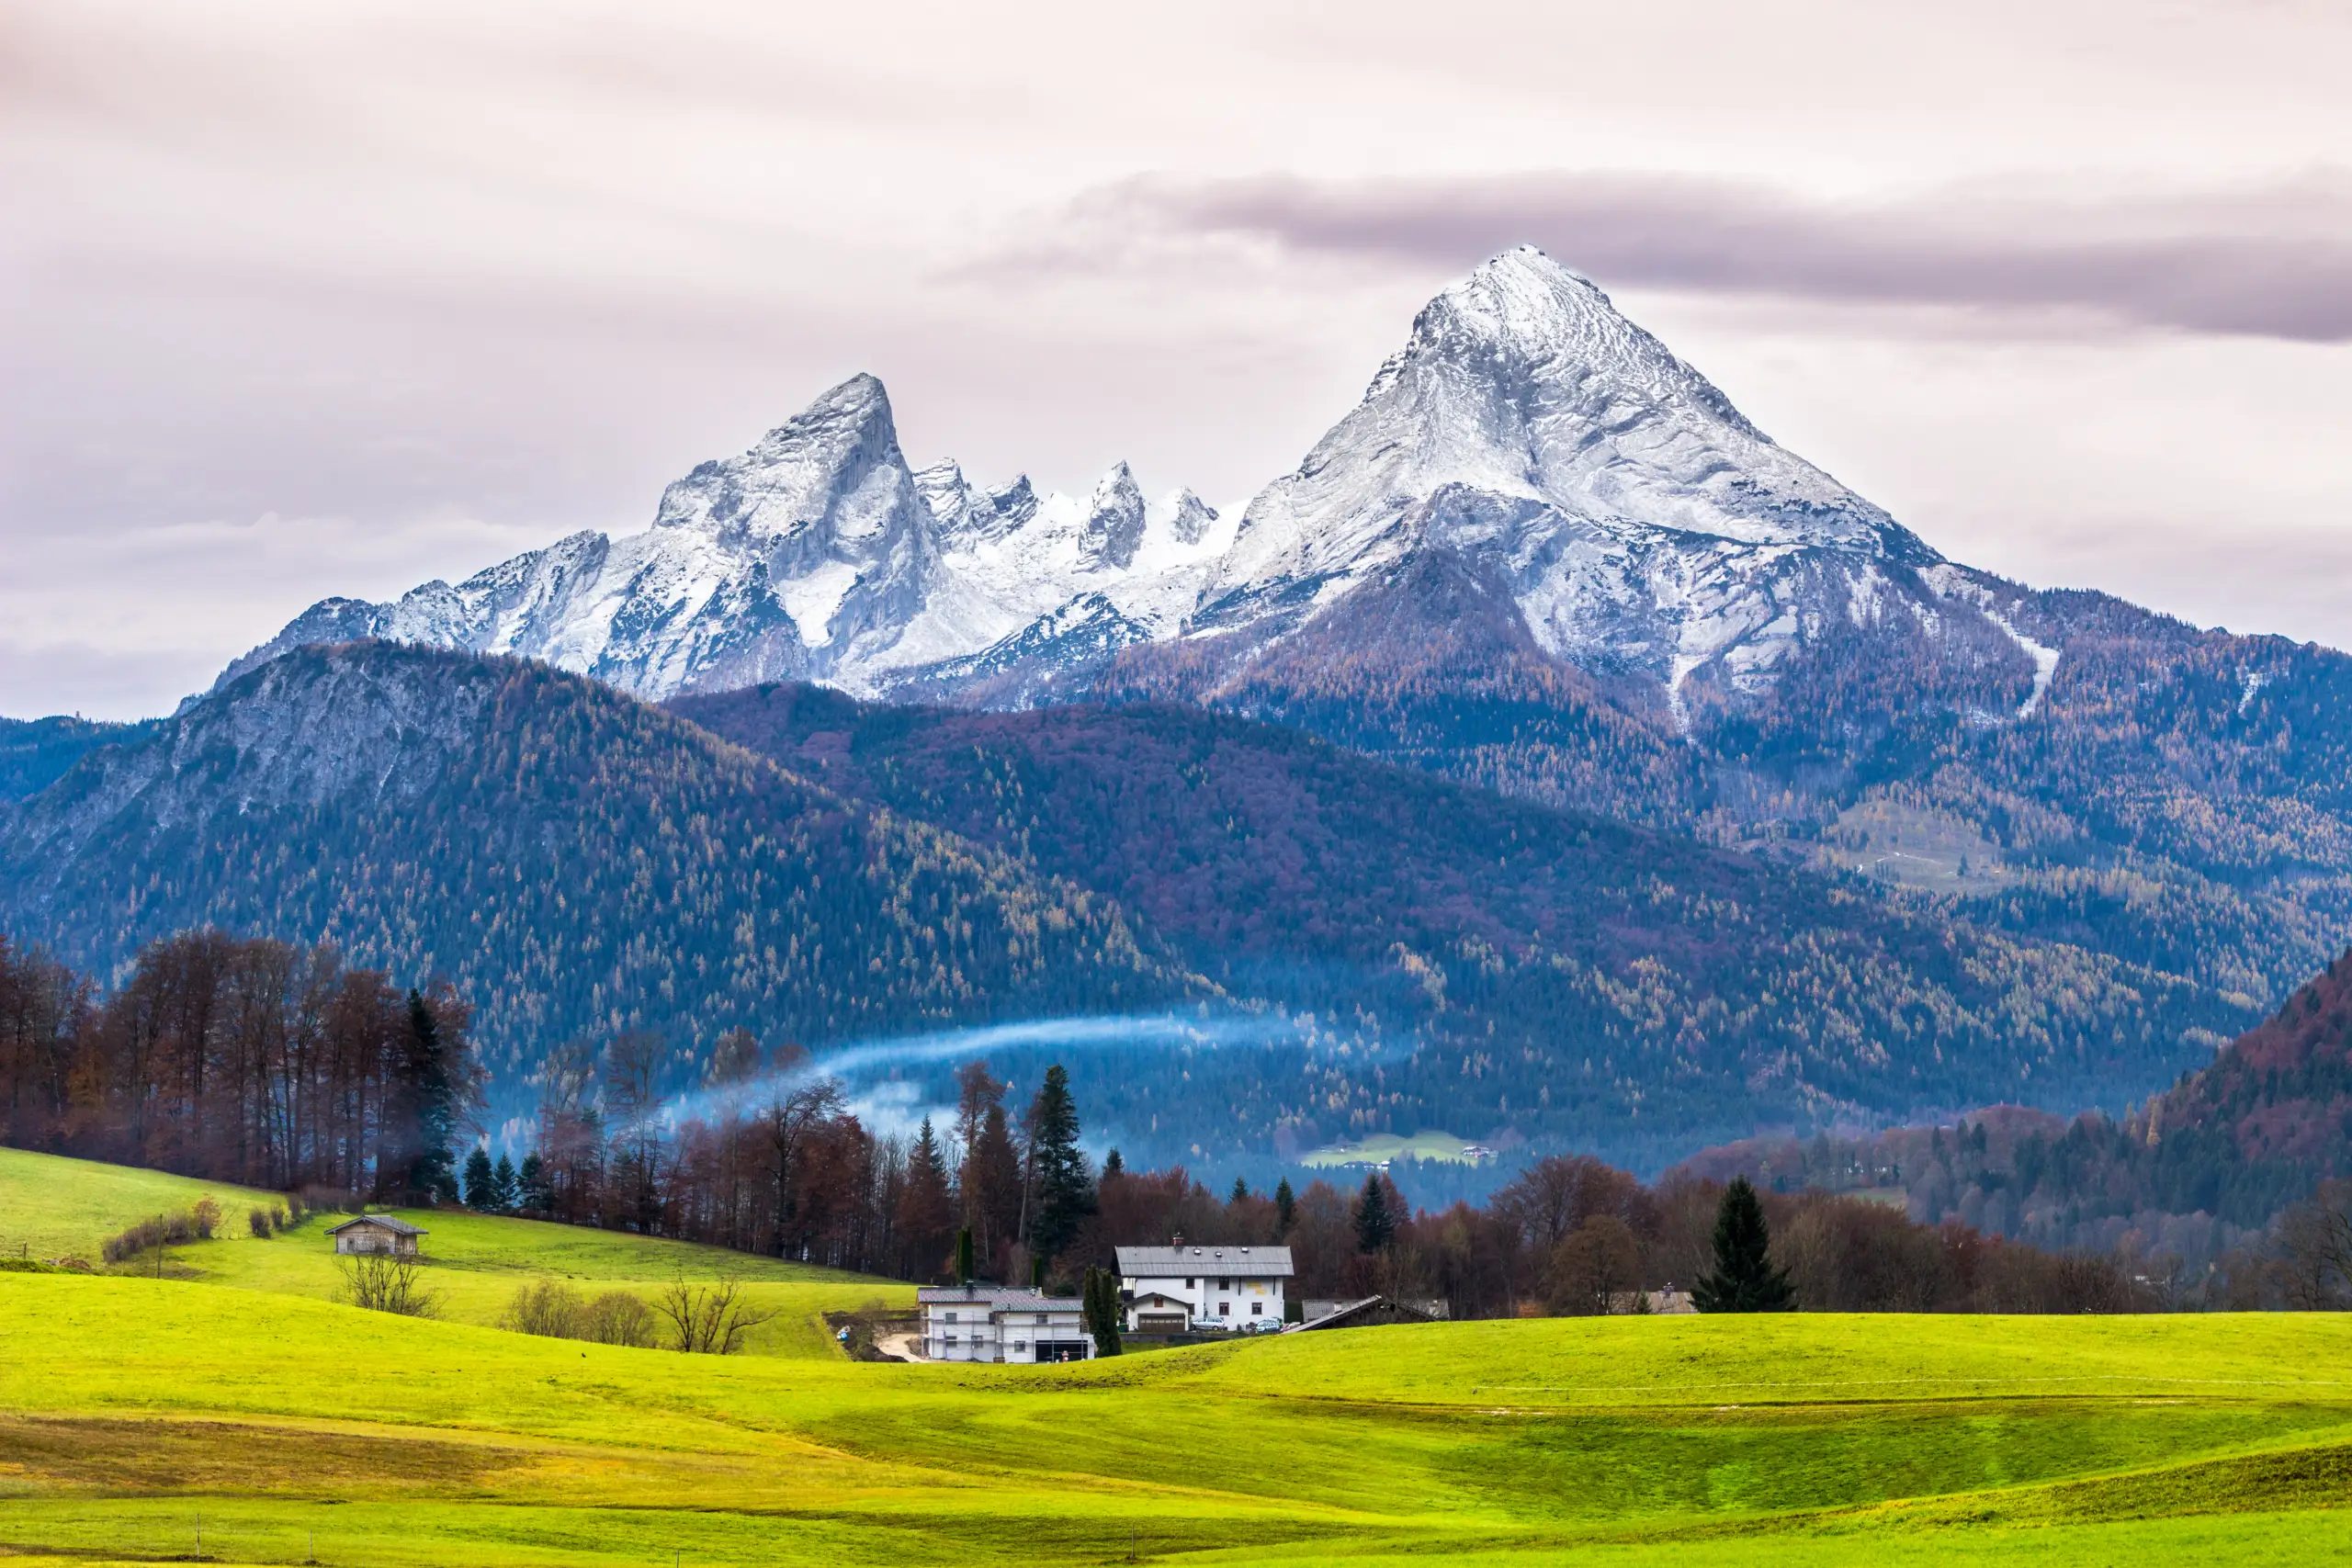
(1551, 974)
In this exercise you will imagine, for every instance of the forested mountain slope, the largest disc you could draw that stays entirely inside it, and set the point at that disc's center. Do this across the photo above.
(580, 864)
(2197, 1169)
(35, 753)
(577, 862)
(1536, 973)
(2173, 798)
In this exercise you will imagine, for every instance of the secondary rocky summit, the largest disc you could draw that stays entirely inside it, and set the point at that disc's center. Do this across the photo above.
(1528, 432)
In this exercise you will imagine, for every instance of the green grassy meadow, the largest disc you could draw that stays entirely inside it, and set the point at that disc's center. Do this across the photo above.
(236, 1400)
(1425, 1145)
(476, 1262)
(51, 1207)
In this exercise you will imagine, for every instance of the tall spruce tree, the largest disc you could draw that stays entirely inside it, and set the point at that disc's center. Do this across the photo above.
(506, 1185)
(1101, 1312)
(536, 1189)
(991, 1189)
(1285, 1208)
(481, 1180)
(925, 1219)
(422, 1112)
(1240, 1193)
(963, 1255)
(1744, 1279)
(1376, 1223)
(1064, 1188)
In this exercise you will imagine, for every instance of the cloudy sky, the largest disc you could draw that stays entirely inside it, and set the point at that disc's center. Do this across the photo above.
(302, 298)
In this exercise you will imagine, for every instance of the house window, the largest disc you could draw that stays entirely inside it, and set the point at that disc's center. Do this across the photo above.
(1225, 1284)
(1021, 1344)
(951, 1340)
(951, 1317)
(1224, 1309)
(1188, 1284)
(1041, 1317)
(1257, 1309)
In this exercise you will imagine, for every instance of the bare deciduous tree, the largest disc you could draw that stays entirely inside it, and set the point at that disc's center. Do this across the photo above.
(382, 1282)
(546, 1307)
(2315, 1241)
(1596, 1269)
(795, 1115)
(618, 1317)
(708, 1318)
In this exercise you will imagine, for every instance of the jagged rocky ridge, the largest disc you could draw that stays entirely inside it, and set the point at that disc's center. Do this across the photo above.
(818, 554)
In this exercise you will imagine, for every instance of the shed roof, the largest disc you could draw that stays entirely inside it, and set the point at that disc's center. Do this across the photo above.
(1162, 1262)
(397, 1226)
(1339, 1315)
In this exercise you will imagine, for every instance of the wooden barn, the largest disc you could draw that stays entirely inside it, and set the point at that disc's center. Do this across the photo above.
(376, 1233)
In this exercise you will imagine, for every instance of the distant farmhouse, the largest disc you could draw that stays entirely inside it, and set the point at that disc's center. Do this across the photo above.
(376, 1232)
(988, 1322)
(1173, 1290)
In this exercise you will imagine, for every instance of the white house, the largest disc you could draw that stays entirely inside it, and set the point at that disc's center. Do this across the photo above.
(1216, 1287)
(376, 1232)
(988, 1322)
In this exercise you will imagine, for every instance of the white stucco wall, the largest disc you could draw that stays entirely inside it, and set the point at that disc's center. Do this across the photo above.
(1235, 1300)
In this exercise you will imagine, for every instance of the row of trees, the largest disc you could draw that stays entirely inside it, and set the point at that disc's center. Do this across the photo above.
(767, 1158)
(250, 1061)
(772, 1160)
(269, 1065)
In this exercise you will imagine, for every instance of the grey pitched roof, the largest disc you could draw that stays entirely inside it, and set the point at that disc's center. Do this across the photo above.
(397, 1226)
(996, 1298)
(1247, 1262)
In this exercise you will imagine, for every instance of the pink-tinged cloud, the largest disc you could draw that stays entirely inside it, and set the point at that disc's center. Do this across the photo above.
(2268, 261)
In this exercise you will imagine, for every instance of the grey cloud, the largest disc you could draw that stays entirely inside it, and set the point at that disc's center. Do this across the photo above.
(2273, 261)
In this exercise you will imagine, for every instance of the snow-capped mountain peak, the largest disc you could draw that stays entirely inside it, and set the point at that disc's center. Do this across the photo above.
(1632, 516)
(1523, 384)
(830, 480)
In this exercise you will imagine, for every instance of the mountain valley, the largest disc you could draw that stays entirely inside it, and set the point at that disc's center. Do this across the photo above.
(1671, 789)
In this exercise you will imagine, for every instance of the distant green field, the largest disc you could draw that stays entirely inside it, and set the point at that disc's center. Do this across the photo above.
(231, 1412)
(1390, 1146)
(135, 1405)
(55, 1207)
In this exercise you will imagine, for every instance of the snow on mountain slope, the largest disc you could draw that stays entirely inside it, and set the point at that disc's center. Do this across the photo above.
(1641, 521)
(1640, 525)
(818, 553)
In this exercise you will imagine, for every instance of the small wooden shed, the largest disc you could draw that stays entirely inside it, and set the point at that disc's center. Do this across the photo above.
(376, 1233)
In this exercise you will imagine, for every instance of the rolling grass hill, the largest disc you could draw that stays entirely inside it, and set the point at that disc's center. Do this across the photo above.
(57, 1207)
(296, 1428)
(52, 1207)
